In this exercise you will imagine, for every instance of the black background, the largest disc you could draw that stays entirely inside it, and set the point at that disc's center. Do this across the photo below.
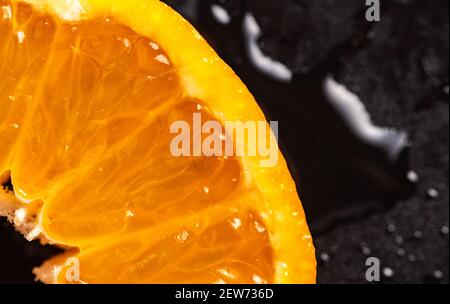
(358, 202)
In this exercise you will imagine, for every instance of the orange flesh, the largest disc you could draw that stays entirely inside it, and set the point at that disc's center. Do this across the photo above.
(85, 110)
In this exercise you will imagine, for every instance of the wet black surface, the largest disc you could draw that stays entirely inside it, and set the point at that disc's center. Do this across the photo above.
(359, 203)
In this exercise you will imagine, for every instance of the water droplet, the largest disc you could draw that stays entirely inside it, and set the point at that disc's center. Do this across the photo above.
(418, 235)
(257, 279)
(33, 234)
(226, 273)
(154, 46)
(20, 37)
(370, 35)
(446, 89)
(19, 216)
(7, 13)
(325, 257)
(432, 193)
(126, 42)
(391, 228)
(412, 258)
(236, 223)
(306, 237)
(260, 228)
(434, 277)
(399, 240)
(388, 272)
(401, 252)
(413, 177)
(206, 189)
(365, 250)
(163, 59)
(220, 14)
(183, 236)
(438, 275)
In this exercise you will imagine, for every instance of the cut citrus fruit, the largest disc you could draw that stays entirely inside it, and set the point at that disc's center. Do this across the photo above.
(88, 92)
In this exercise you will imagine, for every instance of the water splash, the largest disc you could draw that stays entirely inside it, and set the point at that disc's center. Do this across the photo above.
(265, 64)
(358, 119)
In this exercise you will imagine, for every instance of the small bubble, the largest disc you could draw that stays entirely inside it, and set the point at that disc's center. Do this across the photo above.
(366, 250)
(444, 230)
(418, 235)
(391, 228)
(325, 257)
(399, 240)
(370, 35)
(388, 272)
(412, 258)
(401, 252)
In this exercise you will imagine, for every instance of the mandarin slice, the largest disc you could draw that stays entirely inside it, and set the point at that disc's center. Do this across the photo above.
(88, 92)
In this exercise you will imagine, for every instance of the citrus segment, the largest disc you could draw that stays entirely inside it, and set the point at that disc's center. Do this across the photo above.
(108, 72)
(88, 92)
